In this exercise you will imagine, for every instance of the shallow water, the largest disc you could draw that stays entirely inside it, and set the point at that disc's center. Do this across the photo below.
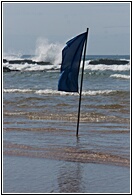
(39, 127)
(35, 175)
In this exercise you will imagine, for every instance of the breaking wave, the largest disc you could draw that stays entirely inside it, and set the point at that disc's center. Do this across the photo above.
(49, 52)
(36, 67)
(120, 76)
(102, 67)
(55, 92)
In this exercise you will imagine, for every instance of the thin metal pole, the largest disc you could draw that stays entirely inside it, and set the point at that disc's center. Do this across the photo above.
(80, 95)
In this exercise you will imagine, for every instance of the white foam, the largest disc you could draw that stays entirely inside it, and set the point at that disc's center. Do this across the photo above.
(20, 67)
(102, 67)
(36, 67)
(31, 67)
(56, 92)
(120, 76)
(98, 92)
(17, 90)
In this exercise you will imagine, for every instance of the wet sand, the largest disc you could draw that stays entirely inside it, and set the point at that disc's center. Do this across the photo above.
(23, 174)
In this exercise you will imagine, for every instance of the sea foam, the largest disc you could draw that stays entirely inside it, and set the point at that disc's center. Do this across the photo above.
(120, 76)
(102, 67)
(35, 67)
(56, 92)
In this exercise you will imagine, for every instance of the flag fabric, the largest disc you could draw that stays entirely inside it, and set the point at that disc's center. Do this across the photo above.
(71, 58)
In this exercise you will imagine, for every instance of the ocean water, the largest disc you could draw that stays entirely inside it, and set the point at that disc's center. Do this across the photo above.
(40, 122)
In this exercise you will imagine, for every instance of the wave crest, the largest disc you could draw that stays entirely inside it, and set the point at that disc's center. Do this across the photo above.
(55, 92)
(120, 76)
(102, 67)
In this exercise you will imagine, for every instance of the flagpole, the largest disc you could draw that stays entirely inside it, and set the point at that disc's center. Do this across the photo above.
(80, 95)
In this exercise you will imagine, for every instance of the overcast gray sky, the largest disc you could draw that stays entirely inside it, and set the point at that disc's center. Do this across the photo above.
(25, 23)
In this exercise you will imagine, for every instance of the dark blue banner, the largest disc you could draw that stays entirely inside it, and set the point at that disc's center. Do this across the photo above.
(71, 58)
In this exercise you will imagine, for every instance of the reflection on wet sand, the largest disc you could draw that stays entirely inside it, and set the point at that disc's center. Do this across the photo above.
(70, 178)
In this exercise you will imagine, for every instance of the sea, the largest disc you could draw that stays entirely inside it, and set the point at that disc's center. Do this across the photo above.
(41, 152)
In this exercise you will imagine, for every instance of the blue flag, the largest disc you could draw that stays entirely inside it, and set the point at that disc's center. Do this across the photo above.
(71, 58)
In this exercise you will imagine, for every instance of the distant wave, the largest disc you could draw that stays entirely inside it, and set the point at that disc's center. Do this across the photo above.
(120, 76)
(108, 67)
(55, 92)
(47, 91)
(47, 67)
(17, 90)
(28, 61)
(28, 67)
(48, 62)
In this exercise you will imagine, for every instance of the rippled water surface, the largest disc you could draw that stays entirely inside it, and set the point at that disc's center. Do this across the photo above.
(41, 151)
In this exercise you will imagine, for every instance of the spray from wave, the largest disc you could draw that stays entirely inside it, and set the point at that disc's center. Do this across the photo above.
(48, 52)
(12, 55)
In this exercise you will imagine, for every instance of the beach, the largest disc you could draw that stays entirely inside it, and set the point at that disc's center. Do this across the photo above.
(41, 153)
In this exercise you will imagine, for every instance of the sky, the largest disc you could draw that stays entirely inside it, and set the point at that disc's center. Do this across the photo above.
(26, 23)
